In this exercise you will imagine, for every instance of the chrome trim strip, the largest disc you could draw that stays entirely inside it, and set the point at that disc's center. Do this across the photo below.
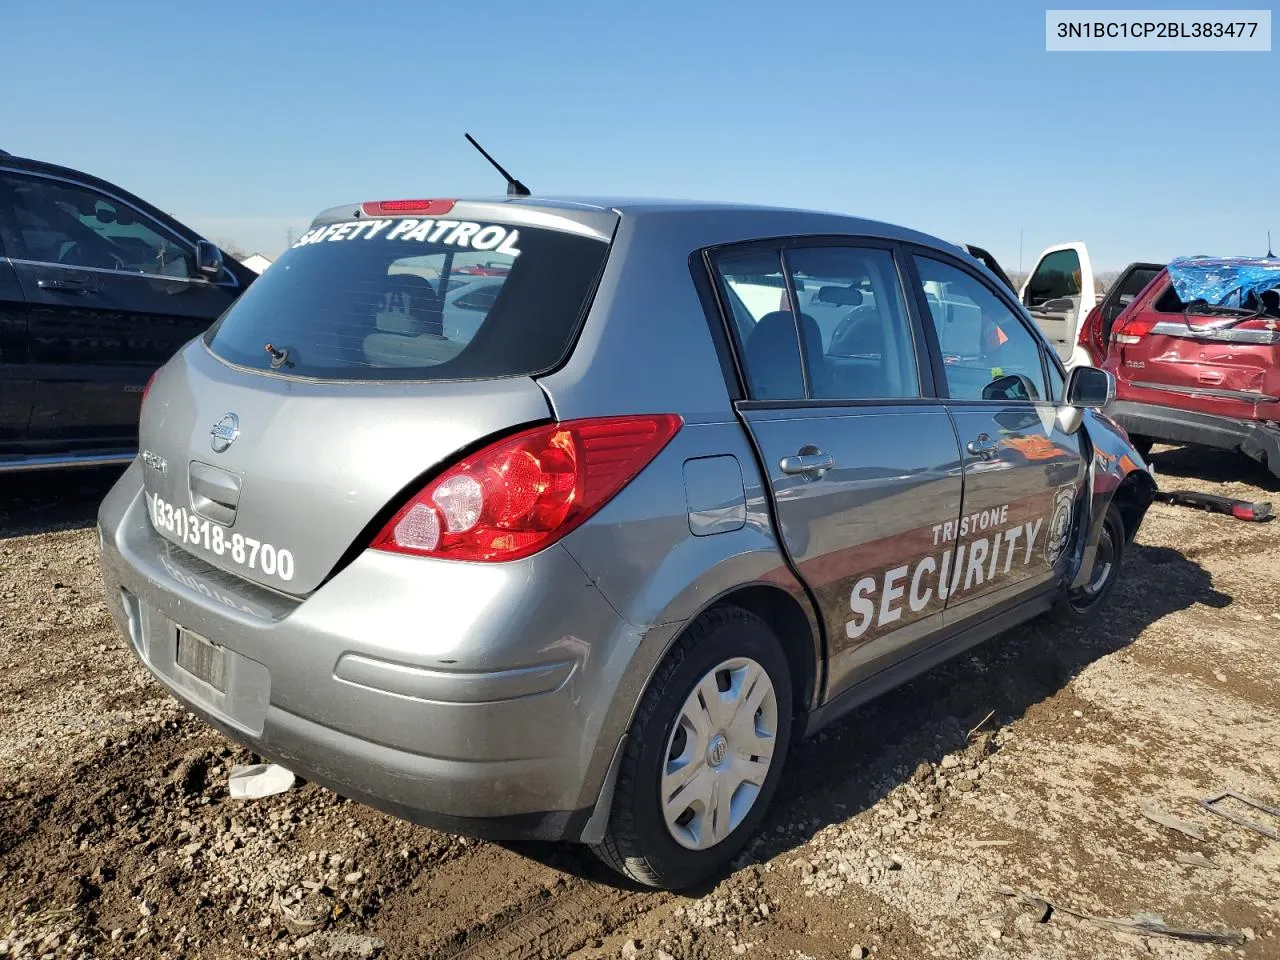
(59, 461)
(1250, 396)
(1168, 328)
(118, 273)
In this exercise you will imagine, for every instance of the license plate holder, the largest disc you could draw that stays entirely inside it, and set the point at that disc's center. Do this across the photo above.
(203, 659)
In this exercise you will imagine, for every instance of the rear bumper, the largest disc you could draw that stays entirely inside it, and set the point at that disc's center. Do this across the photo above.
(1171, 424)
(464, 696)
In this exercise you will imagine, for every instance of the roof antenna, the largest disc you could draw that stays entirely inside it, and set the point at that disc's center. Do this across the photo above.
(1270, 255)
(514, 187)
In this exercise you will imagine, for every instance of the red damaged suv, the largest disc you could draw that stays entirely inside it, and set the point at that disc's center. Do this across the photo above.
(1196, 373)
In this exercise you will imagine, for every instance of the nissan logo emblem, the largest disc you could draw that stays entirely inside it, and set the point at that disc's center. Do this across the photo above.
(224, 432)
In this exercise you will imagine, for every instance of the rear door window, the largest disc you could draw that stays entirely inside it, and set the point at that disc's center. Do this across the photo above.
(854, 298)
(415, 300)
(1132, 284)
(857, 336)
(71, 225)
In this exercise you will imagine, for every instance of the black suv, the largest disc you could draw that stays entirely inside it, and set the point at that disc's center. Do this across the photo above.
(97, 289)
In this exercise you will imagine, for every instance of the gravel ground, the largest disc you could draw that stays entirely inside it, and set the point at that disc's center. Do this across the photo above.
(1026, 765)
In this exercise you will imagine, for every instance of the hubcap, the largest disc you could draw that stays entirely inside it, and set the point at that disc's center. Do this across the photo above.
(719, 753)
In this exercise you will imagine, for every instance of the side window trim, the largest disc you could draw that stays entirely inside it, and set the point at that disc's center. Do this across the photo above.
(921, 305)
(707, 286)
(1014, 307)
(933, 384)
(931, 381)
(728, 324)
(230, 278)
(793, 298)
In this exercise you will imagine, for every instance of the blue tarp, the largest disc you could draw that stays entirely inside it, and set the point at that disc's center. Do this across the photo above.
(1223, 281)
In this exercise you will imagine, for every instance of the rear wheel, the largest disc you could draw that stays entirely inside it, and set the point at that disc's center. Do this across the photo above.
(1084, 602)
(704, 753)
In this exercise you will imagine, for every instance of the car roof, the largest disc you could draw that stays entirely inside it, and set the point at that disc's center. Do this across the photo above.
(26, 164)
(738, 221)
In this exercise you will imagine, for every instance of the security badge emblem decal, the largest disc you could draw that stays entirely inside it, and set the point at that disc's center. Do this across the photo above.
(1060, 523)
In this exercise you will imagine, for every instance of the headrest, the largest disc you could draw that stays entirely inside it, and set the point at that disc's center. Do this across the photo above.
(415, 307)
(419, 289)
(769, 350)
(780, 326)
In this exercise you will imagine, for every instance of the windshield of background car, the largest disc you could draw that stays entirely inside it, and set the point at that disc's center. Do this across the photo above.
(408, 299)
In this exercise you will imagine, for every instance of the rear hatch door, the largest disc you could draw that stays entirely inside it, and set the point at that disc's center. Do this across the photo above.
(1218, 360)
(284, 438)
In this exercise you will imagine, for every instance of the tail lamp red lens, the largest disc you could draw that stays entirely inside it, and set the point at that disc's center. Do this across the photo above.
(429, 208)
(523, 493)
(146, 387)
(1133, 329)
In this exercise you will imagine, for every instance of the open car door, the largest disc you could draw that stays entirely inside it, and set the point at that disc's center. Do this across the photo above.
(1095, 335)
(990, 262)
(1060, 292)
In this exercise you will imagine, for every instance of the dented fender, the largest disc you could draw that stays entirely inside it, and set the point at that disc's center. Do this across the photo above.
(1113, 464)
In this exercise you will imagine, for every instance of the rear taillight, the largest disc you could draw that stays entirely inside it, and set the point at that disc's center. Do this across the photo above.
(146, 387)
(1131, 330)
(1254, 512)
(523, 493)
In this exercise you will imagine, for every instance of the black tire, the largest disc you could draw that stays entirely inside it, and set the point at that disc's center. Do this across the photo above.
(1142, 444)
(638, 842)
(1082, 605)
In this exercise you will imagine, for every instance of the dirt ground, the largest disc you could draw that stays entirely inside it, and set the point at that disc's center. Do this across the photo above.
(1025, 765)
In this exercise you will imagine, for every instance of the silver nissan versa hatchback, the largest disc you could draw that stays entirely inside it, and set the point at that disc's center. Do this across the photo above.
(565, 519)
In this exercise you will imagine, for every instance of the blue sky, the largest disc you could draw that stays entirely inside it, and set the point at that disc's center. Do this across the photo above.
(245, 119)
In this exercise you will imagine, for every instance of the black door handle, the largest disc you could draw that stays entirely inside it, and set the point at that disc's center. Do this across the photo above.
(66, 285)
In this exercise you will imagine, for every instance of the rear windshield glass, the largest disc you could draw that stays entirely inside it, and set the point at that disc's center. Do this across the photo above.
(414, 300)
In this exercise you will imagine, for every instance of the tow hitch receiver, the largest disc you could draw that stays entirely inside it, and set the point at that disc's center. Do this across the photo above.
(1240, 509)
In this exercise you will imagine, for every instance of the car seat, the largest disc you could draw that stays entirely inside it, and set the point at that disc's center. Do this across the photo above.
(408, 318)
(416, 308)
(769, 349)
(857, 355)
